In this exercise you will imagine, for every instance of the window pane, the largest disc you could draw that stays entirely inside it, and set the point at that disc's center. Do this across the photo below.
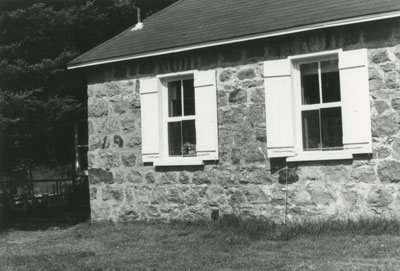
(188, 96)
(175, 138)
(330, 81)
(309, 83)
(174, 99)
(331, 123)
(311, 131)
(189, 137)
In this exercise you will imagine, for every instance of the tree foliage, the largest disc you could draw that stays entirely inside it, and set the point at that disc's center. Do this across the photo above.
(39, 98)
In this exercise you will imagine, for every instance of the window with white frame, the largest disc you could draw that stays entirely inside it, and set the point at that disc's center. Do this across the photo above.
(179, 118)
(320, 106)
(317, 106)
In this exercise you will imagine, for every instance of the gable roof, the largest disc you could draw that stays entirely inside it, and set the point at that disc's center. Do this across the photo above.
(191, 24)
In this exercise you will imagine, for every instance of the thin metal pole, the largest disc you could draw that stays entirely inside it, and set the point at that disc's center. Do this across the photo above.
(76, 166)
(286, 194)
(139, 20)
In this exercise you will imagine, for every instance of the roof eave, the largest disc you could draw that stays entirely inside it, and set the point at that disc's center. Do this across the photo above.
(353, 20)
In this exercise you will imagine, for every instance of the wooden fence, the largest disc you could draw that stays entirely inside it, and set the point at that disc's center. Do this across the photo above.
(50, 199)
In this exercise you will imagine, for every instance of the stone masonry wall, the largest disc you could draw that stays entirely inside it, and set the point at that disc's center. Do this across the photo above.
(244, 182)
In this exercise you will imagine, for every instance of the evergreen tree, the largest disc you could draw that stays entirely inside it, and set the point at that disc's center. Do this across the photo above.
(39, 98)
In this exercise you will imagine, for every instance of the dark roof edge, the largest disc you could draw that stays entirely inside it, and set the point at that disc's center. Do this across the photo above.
(347, 21)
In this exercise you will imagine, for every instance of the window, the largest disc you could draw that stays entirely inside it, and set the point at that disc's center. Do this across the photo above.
(321, 107)
(179, 118)
(317, 106)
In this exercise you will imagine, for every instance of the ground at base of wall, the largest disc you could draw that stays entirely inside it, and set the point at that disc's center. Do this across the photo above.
(197, 246)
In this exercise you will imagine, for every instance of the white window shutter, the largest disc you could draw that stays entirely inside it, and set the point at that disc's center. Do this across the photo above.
(206, 115)
(279, 108)
(353, 66)
(149, 100)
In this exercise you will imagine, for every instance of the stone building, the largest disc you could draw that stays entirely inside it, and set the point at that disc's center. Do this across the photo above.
(250, 108)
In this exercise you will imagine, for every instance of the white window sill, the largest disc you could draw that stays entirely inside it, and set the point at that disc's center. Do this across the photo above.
(320, 156)
(179, 161)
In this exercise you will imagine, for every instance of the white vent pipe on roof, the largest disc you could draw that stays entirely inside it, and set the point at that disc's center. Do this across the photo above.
(139, 25)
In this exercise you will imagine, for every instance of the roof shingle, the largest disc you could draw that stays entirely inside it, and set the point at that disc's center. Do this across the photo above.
(190, 22)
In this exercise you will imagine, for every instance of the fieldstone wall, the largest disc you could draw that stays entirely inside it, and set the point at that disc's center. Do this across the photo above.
(244, 181)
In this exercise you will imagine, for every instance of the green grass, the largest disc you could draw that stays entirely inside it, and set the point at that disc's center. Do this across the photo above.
(230, 244)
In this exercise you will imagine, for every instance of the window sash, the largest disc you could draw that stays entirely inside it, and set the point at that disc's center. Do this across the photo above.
(182, 142)
(166, 115)
(300, 107)
(320, 86)
(174, 119)
(322, 135)
(320, 106)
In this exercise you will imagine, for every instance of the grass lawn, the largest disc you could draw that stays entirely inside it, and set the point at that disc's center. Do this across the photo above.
(180, 246)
